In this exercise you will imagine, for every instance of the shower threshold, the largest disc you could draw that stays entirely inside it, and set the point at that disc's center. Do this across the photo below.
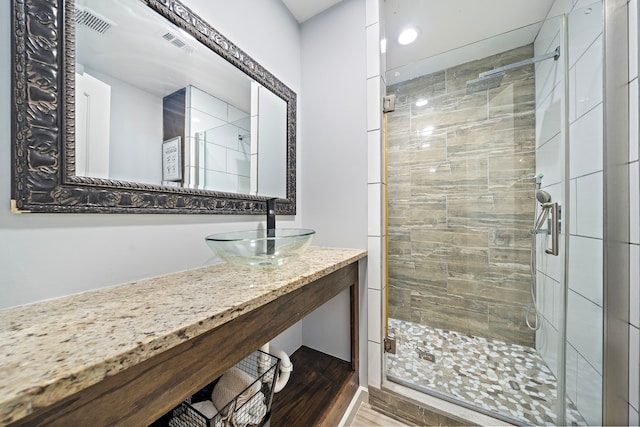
(506, 381)
(451, 399)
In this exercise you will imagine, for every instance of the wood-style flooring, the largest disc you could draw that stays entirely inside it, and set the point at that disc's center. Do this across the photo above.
(367, 416)
(317, 380)
(320, 376)
(363, 414)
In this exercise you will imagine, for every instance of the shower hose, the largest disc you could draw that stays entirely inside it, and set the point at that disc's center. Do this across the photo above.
(532, 308)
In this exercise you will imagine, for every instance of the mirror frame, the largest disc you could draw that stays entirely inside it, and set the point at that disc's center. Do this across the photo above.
(43, 122)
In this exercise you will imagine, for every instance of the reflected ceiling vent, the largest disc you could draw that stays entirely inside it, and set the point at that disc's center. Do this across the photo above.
(176, 41)
(91, 19)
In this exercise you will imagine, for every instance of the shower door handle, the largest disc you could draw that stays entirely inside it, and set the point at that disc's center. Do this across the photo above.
(555, 230)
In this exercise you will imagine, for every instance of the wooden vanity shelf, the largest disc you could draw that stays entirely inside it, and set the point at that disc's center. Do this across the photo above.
(318, 393)
(320, 387)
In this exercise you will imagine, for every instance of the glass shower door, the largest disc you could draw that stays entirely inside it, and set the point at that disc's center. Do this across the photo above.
(477, 155)
(585, 278)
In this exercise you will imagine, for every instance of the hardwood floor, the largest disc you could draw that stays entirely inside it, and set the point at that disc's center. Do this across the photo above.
(317, 385)
(321, 376)
(362, 414)
(369, 417)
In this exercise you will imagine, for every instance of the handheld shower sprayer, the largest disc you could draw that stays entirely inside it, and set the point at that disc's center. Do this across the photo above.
(532, 317)
(544, 199)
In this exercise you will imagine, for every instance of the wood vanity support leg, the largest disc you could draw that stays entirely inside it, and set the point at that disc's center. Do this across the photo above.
(322, 386)
(341, 402)
(355, 326)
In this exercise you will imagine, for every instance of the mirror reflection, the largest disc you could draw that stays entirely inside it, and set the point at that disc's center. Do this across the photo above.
(155, 106)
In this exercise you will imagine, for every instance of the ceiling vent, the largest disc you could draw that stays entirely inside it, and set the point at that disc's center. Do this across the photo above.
(91, 19)
(176, 41)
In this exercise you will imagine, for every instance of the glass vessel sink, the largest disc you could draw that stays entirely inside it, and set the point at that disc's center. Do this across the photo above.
(254, 248)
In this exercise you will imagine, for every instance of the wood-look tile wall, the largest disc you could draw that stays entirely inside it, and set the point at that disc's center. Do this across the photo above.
(461, 200)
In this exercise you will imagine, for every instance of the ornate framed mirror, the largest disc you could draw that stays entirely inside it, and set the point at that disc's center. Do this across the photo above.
(209, 149)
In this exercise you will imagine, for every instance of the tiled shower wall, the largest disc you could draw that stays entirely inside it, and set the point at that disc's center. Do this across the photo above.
(376, 188)
(584, 314)
(224, 145)
(460, 200)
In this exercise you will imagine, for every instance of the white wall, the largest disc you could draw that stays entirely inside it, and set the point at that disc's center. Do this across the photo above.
(221, 160)
(334, 155)
(135, 148)
(50, 255)
(272, 112)
(93, 117)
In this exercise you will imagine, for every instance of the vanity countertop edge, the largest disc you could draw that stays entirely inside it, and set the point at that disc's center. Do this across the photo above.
(55, 348)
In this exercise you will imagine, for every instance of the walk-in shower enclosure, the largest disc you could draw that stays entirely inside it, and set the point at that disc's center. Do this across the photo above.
(475, 133)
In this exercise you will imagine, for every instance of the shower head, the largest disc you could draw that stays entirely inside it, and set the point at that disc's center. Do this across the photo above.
(544, 199)
(543, 196)
(491, 79)
(484, 83)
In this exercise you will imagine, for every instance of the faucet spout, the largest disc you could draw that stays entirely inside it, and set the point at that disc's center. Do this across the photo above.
(271, 226)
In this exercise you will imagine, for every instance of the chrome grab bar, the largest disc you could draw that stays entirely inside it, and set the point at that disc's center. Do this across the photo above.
(555, 230)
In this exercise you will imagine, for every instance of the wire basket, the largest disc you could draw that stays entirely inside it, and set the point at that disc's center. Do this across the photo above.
(246, 405)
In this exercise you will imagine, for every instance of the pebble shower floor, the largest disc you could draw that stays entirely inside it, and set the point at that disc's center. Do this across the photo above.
(502, 378)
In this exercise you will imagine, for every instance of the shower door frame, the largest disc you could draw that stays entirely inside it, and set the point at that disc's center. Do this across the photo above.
(615, 389)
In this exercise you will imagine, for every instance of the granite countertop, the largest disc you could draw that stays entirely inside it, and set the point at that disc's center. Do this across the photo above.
(53, 349)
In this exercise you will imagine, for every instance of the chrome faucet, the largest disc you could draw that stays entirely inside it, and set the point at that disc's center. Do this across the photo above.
(271, 226)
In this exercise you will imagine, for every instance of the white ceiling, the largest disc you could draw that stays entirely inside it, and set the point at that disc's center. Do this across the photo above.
(164, 67)
(443, 24)
(305, 9)
(450, 24)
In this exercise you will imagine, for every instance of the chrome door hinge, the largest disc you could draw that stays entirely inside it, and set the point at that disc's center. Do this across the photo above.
(390, 345)
(388, 103)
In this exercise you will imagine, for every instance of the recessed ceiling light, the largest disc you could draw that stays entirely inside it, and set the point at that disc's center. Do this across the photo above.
(383, 46)
(422, 102)
(408, 35)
